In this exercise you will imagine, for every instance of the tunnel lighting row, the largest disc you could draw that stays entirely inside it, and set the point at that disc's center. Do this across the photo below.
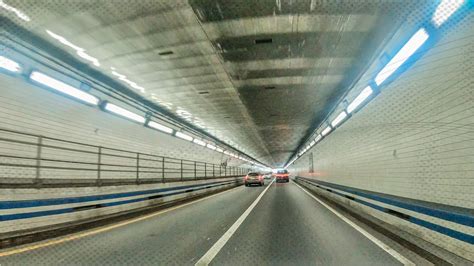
(444, 10)
(44, 80)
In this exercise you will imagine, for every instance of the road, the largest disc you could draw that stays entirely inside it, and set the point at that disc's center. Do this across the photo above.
(286, 226)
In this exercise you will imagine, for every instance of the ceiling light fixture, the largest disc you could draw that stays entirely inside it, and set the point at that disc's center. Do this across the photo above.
(183, 136)
(124, 112)
(63, 87)
(444, 10)
(9, 64)
(415, 42)
(199, 142)
(326, 131)
(160, 127)
(364, 94)
(339, 119)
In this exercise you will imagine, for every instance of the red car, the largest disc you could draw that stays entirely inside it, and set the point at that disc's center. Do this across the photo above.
(253, 178)
(282, 176)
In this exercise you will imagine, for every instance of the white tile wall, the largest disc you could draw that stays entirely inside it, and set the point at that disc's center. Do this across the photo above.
(415, 139)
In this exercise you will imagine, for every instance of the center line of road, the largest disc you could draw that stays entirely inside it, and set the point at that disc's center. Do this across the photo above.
(212, 252)
(372, 238)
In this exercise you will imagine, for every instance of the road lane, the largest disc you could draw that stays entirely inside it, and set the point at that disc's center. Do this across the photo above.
(289, 227)
(180, 236)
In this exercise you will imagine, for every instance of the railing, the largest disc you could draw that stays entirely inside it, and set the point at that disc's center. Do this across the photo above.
(37, 157)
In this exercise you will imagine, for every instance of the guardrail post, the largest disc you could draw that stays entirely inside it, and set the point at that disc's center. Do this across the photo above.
(163, 169)
(38, 161)
(205, 170)
(195, 175)
(181, 170)
(99, 162)
(138, 168)
(225, 170)
(213, 172)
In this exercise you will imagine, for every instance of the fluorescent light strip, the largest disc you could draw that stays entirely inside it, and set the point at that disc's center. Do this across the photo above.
(124, 113)
(63, 87)
(9, 64)
(444, 10)
(326, 131)
(311, 144)
(210, 146)
(199, 142)
(219, 149)
(160, 127)
(364, 94)
(339, 119)
(415, 42)
(318, 138)
(183, 136)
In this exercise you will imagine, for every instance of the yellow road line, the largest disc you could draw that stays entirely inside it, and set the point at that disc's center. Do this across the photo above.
(100, 229)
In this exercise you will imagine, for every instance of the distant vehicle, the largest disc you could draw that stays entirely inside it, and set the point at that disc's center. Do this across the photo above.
(282, 176)
(253, 178)
(267, 175)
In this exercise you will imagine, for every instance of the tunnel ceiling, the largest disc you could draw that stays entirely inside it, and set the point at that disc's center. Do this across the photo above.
(256, 74)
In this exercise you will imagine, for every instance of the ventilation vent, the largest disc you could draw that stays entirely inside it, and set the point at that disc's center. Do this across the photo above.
(263, 41)
(166, 53)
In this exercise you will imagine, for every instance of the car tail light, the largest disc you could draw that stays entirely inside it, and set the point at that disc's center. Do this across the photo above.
(246, 177)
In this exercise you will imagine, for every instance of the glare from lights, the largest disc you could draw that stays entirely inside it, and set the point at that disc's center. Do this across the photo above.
(199, 142)
(9, 64)
(339, 119)
(17, 12)
(124, 112)
(183, 136)
(219, 150)
(311, 144)
(326, 131)
(444, 10)
(160, 127)
(79, 50)
(63, 87)
(415, 42)
(129, 82)
(365, 93)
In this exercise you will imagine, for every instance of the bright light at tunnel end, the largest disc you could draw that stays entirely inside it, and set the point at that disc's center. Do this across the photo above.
(63, 87)
(415, 42)
(444, 10)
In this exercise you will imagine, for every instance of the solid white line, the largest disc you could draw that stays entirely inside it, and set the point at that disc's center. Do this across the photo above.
(212, 252)
(372, 238)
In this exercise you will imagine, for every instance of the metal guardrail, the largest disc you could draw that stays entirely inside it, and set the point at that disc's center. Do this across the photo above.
(24, 155)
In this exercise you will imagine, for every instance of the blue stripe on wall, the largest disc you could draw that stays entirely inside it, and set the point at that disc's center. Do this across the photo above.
(441, 214)
(18, 216)
(58, 201)
(434, 227)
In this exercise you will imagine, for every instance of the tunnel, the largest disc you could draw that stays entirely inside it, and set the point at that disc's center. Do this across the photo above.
(236, 132)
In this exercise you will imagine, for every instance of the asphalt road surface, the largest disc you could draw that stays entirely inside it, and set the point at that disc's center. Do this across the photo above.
(286, 226)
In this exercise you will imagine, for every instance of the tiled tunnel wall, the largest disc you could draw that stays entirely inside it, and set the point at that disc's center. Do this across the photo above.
(414, 141)
(27, 108)
(30, 109)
